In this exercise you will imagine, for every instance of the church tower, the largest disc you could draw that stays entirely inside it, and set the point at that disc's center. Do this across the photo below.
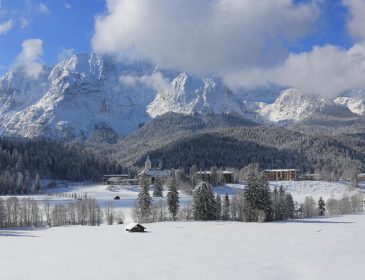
(148, 164)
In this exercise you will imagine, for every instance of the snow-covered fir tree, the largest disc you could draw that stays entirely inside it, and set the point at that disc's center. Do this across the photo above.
(144, 200)
(193, 176)
(158, 188)
(290, 206)
(37, 183)
(173, 197)
(218, 202)
(225, 209)
(309, 207)
(257, 198)
(321, 207)
(204, 202)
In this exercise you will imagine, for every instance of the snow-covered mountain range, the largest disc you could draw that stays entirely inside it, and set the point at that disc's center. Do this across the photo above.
(86, 91)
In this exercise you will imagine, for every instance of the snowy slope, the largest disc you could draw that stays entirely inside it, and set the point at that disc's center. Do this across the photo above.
(322, 248)
(292, 105)
(355, 105)
(82, 93)
(189, 94)
(86, 91)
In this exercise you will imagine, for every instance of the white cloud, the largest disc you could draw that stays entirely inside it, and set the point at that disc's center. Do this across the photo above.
(155, 81)
(68, 6)
(243, 41)
(29, 59)
(128, 80)
(24, 22)
(203, 36)
(326, 70)
(356, 20)
(65, 53)
(43, 9)
(6, 26)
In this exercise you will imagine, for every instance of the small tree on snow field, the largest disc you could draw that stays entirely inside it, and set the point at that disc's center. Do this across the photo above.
(309, 207)
(144, 200)
(289, 206)
(173, 197)
(218, 202)
(225, 210)
(321, 207)
(204, 202)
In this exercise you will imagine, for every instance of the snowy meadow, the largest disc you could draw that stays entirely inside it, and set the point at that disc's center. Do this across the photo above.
(329, 248)
(293, 249)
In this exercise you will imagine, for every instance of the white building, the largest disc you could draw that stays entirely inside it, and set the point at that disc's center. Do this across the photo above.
(154, 173)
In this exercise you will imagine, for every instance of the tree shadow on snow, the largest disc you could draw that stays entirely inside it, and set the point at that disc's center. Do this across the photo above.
(18, 232)
(318, 222)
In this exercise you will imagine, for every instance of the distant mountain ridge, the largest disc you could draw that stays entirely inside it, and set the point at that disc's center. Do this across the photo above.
(87, 92)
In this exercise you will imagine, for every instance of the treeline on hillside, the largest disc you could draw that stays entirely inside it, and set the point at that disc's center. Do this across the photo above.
(22, 161)
(227, 141)
(268, 147)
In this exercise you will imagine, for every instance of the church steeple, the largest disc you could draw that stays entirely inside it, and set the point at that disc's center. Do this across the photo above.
(148, 164)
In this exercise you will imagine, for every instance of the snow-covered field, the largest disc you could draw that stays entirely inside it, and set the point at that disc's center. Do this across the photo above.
(324, 248)
(128, 194)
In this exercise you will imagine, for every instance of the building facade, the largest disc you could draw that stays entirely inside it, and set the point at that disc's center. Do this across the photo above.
(282, 174)
(227, 176)
(154, 173)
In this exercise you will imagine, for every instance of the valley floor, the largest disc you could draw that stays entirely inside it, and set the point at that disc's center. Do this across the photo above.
(128, 194)
(322, 248)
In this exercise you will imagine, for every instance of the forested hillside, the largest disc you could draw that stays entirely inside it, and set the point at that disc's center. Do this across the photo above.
(227, 141)
(22, 160)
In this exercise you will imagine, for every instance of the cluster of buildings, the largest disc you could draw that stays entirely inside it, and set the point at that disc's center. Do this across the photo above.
(148, 171)
(226, 176)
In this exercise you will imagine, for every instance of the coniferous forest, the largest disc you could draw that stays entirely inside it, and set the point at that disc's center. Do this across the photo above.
(24, 162)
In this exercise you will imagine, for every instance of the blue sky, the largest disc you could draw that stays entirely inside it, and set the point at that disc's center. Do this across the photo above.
(62, 25)
(70, 24)
(286, 42)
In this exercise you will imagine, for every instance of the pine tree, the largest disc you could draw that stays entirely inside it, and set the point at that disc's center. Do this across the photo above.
(173, 197)
(144, 200)
(218, 202)
(193, 176)
(290, 206)
(275, 204)
(265, 202)
(257, 196)
(204, 202)
(251, 195)
(281, 204)
(321, 207)
(214, 176)
(158, 188)
(226, 205)
(37, 184)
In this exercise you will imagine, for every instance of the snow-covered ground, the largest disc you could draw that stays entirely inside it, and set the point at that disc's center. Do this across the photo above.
(316, 189)
(323, 248)
(128, 194)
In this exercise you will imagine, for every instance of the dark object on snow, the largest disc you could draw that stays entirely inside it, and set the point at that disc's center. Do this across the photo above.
(135, 228)
(117, 197)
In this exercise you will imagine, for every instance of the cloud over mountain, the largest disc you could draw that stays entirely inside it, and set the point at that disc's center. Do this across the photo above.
(245, 42)
(29, 58)
(204, 36)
